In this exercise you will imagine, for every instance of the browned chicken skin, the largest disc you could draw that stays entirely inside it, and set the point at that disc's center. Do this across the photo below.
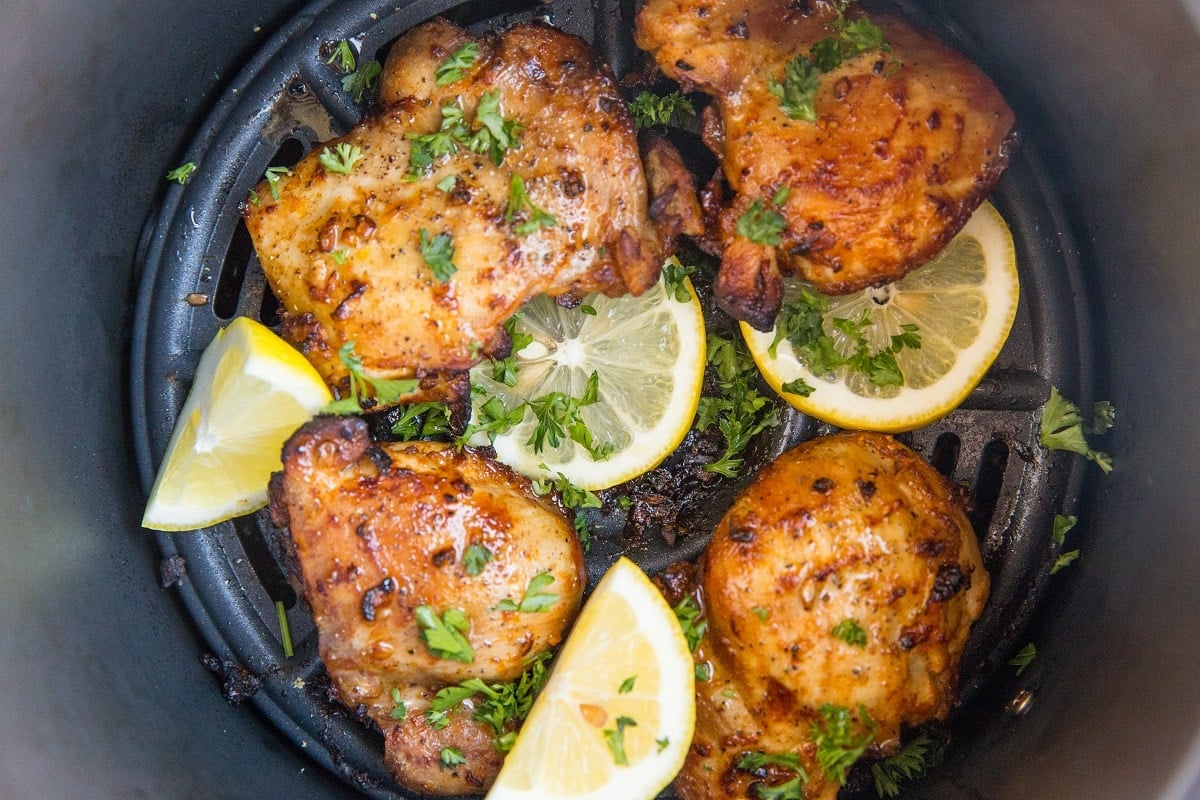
(383, 530)
(906, 145)
(343, 251)
(853, 526)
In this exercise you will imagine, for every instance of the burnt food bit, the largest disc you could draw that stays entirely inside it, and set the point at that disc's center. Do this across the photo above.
(238, 684)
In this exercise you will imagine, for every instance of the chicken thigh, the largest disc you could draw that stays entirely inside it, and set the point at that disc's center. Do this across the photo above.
(839, 590)
(902, 139)
(418, 560)
(497, 168)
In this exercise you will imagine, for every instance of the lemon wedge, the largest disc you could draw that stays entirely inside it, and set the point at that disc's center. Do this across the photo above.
(250, 392)
(615, 718)
(961, 306)
(647, 354)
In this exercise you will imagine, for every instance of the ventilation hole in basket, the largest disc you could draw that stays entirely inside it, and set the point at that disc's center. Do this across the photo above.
(988, 484)
(945, 453)
(289, 153)
(263, 563)
(233, 272)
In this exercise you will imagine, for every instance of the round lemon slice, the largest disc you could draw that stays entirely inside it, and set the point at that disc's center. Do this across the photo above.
(615, 718)
(251, 391)
(647, 354)
(952, 317)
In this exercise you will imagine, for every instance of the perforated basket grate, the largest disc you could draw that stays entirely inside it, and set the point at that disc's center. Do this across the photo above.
(199, 271)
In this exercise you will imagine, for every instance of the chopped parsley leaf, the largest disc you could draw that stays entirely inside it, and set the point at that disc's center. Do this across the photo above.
(342, 58)
(362, 80)
(493, 419)
(627, 685)
(500, 705)
(558, 417)
(762, 224)
(273, 176)
(386, 390)
(1061, 428)
(838, 743)
(519, 203)
(911, 761)
(1023, 658)
(399, 707)
(690, 620)
(455, 67)
(797, 92)
(739, 410)
(571, 494)
(1064, 560)
(649, 109)
(183, 173)
(438, 254)
(450, 757)
(420, 420)
(447, 183)
(675, 277)
(615, 739)
(850, 632)
(534, 599)
(475, 558)
(340, 159)
(443, 636)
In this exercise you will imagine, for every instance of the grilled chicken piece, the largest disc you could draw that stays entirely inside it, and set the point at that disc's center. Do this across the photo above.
(343, 252)
(381, 531)
(853, 526)
(905, 146)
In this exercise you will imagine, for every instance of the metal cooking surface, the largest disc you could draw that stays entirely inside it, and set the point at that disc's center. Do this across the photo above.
(287, 99)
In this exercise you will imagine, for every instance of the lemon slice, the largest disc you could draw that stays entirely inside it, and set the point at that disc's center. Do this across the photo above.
(962, 304)
(648, 355)
(251, 391)
(622, 689)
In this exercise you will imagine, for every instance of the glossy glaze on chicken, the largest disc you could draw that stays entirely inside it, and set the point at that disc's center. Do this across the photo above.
(846, 575)
(348, 253)
(383, 530)
(905, 144)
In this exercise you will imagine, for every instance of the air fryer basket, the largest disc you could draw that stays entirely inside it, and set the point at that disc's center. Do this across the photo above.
(104, 689)
(290, 98)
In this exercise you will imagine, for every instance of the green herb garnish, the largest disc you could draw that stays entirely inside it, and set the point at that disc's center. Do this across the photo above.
(675, 277)
(756, 762)
(911, 761)
(183, 173)
(447, 183)
(341, 159)
(739, 410)
(494, 135)
(493, 419)
(519, 203)
(615, 739)
(534, 599)
(850, 632)
(1061, 428)
(386, 390)
(500, 705)
(420, 420)
(450, 757)
(690, 620)
(399, 707)
(649, 109)
(342, 58)
(839, 745)
(475, 558)
(285, 632)
(362, 80)
(274, 175)
(438, 254)
(797, 92)
(455, 67)
(762, 224)
(558, 418)
(1023, 658)
(443, 636)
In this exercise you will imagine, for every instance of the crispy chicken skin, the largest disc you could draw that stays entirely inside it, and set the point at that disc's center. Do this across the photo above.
(853, 526)
(905, 147)
(343, 251)
(380, 530)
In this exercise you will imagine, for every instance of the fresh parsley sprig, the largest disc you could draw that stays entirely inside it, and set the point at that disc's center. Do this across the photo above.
(1023, 658)
(615, 739)
(558, 418)
(383, 390)
(273, 176)
(437, 251)
(420, 420)
(491, 135)
(520, 204)
(1061, 428)
(475, 558)
(534, 599)
(739, 410)
(675, 276)
(910, 762)
(850, 632)
(762, 222)
(691, 621)
(649, 109)
(571, 494)
(183, 173)
(362, 80)
(504, 370)
(455, 66)
(450, 757)
(501, 705)
(841, 738)
(756, 762)
(341, 159)
(444, 636)
(493, 419)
